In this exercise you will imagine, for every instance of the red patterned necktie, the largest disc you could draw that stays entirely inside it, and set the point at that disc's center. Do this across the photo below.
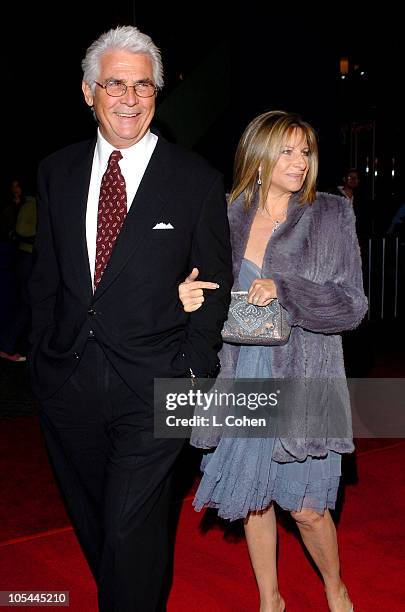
(112, 210)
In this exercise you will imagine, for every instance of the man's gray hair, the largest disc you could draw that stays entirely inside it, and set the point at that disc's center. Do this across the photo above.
(127, 38)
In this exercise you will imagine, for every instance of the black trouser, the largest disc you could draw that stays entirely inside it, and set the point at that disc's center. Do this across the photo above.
(115, 478)
(14, 336)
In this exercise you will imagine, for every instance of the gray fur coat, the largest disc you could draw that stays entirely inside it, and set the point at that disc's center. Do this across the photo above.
(314, 260)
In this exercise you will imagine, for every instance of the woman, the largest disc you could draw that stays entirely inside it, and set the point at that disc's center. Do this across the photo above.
(300, 246)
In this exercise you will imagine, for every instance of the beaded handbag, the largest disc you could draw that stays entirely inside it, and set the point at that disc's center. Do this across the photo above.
(251, 324)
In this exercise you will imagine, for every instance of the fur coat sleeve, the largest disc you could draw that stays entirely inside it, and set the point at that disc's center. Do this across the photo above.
(322, 289)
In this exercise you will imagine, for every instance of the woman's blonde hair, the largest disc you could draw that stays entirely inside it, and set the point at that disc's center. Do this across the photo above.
(260, 146)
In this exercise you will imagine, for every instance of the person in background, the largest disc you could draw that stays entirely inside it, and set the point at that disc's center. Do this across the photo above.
(21, 229)
(292, 243)
(397, 225)
(351, 190)
(350, 184)
(121, 218)
(9, 211)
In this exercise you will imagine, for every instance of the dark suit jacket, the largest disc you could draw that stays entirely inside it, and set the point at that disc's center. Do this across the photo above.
(135, 312)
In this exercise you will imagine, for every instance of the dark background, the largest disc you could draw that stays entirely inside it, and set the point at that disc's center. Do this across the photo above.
(254, 58)
(277, 58)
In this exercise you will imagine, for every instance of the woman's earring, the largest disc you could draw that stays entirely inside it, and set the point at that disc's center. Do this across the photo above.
(259, 180)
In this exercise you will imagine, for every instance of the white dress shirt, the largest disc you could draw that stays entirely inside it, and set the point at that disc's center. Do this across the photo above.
(133, 165)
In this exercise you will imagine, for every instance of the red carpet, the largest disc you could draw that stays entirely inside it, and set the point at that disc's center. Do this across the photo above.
(212, 571)
(30, 499)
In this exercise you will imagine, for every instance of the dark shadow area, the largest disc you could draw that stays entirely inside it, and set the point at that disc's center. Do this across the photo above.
(359, 351)
(16, 398)
(232, 530)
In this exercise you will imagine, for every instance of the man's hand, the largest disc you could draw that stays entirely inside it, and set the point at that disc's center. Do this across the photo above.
(262, 291)
(191, 291)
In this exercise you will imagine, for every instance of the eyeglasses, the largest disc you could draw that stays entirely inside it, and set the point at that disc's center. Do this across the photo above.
(143, 89)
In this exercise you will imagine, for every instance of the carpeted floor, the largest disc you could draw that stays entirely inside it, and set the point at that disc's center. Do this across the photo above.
(38, 549)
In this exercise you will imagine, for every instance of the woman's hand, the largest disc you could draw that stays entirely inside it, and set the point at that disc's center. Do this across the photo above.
(262, 291)
(191, 291)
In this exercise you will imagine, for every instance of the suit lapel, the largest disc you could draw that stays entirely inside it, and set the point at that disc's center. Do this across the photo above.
(75, 205)
(146, 207)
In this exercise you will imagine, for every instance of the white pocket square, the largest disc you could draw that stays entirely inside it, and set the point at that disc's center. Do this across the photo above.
(163, 226)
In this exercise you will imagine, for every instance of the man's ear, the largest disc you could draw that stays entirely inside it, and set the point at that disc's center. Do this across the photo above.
(88, 95)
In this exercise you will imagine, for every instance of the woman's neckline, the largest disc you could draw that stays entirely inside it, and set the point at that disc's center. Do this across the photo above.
(253, 263)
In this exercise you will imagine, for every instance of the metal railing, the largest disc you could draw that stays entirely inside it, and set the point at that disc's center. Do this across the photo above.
(384, 277)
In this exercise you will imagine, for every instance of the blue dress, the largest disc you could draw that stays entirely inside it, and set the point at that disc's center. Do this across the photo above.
(240, 475)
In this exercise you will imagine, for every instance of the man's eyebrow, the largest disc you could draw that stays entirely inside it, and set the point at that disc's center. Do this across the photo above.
(145, 80)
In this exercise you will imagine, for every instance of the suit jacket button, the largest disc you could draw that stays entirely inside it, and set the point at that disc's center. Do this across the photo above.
(91, 334)
(91, 312)
(76, 355)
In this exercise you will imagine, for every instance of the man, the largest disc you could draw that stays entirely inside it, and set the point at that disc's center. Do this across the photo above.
(350, 181)
(122, 220)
